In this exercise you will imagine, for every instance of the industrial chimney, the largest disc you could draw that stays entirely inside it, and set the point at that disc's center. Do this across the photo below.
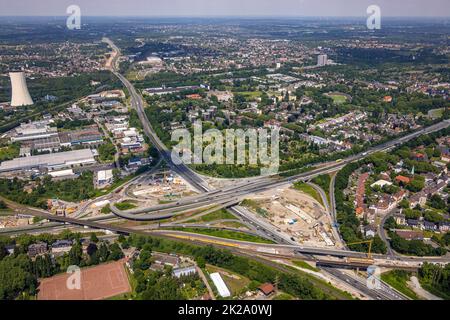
(20, 95)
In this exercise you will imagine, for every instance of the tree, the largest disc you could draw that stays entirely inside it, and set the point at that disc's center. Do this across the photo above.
(103, 253)
(91, 249)
(378, 245)
(404, 204)
(94, 238)
(16, 277)
(44, 266)
(3, 251)
(437, 202)
(412, 214)
(3, 205)
(116, 252)
(201, 262)
(390, 224)
(433, 216)
(76, 255)
(417, 184)
(122, 239)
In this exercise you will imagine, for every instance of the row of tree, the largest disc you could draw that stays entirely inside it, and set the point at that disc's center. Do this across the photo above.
(291, 283)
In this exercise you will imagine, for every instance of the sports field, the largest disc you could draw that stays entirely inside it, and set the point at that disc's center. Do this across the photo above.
(338, 98)
(97, 283)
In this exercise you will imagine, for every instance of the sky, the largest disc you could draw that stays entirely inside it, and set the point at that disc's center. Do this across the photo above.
(210, 8)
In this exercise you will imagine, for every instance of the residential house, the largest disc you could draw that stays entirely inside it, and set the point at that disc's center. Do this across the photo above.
(267, 289)
(36, 249)
(403, 180)
(186, 271)
(410, 235)
(400, 219)
(61, 247)
(430, 226)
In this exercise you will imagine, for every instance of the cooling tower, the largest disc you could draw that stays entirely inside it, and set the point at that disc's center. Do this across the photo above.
(20, 95)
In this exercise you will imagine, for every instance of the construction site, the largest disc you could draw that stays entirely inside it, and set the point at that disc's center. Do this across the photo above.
(161, 187)
(296, 214)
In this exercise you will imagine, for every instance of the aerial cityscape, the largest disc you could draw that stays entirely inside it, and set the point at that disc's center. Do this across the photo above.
(195, 156)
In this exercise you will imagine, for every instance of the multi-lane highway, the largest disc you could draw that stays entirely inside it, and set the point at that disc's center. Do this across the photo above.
(229, 197)
(260, 184)
(137, 103)
(384, 292)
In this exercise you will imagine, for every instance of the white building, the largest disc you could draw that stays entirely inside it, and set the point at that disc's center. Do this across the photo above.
(381, 183)
(187, 271)
(51, 162)
(34, 130)
(220, 285)
(322, 60)
(105, 177)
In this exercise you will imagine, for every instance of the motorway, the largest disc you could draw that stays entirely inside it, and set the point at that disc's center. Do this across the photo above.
(383, 293)
(232, 194)
(137, 103)
(260, 184)
(330, 207)
(229, 197)
(95, 223)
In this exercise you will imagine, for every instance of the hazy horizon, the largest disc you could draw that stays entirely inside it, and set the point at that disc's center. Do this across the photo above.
(230, 8)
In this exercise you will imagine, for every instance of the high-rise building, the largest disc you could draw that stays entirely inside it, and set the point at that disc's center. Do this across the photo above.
(20, 95)
(322, 60)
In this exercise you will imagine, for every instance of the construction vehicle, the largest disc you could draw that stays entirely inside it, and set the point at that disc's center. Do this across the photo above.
(366, 261)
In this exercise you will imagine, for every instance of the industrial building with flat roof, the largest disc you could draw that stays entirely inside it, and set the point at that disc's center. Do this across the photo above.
(51, 162)
(90, 135)
(33, 131)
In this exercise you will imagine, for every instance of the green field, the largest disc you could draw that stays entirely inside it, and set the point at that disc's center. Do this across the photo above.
(235, 282)
(337, 98)
(217, 215)
(250, 95)
(283, 297)
(305, 188)
(126, 205)
(227, 234)
(324, 181)
(436, 113)
(234, 224)
(398, 279)
(304, 265)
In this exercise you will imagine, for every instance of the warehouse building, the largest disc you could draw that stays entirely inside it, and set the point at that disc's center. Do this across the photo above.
(51, 162)
(222, 288)
(33, 131)
(87, 136)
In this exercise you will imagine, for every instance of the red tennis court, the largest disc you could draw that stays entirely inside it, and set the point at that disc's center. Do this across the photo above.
(97, 283)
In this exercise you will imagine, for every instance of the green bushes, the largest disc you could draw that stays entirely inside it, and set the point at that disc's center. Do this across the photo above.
(414, 247)
(73, 190)
(293, 284)
(106, 152)
(436, 279)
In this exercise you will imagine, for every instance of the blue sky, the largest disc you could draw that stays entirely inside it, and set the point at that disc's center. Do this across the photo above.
(411, 8)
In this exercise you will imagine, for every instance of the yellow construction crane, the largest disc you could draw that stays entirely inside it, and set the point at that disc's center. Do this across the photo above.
(369, 254)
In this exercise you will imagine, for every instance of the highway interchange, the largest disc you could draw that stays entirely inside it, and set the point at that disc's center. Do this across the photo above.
(229, 198)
